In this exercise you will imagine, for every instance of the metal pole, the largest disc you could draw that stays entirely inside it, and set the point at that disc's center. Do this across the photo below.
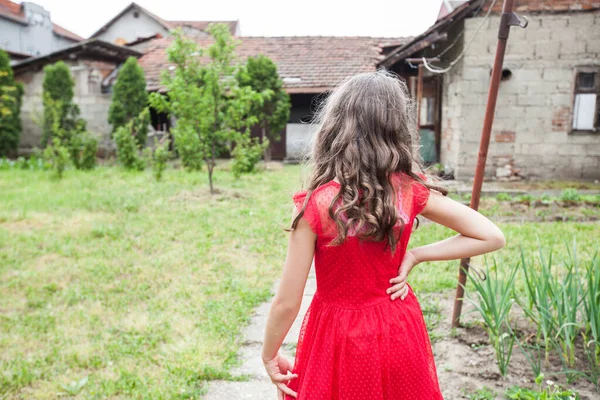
(507, 20)
(419, 96)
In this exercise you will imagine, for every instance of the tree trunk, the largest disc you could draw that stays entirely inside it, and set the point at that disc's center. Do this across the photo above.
(267, 152)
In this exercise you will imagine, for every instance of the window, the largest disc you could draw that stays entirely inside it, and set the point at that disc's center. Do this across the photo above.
(586, 105)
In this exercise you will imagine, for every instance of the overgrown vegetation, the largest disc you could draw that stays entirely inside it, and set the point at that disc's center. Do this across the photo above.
(11, 97)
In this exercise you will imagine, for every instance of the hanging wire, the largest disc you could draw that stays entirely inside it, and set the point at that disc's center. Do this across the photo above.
(447, 49)
(413, 66)
(436, 70)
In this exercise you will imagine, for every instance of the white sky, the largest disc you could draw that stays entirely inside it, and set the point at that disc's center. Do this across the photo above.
(264, 17)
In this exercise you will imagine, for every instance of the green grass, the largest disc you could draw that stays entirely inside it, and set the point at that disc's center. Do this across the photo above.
(144, 287)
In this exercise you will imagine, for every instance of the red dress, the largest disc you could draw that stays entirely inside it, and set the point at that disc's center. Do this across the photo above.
(355, 343)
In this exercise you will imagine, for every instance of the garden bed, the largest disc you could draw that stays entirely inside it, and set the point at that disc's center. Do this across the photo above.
(466, 362)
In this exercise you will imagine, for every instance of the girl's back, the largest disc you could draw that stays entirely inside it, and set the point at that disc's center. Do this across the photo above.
(355, 342)
(364, 336)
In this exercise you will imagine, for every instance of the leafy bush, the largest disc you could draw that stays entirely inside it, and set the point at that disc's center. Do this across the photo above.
(56, 154)
(129, 97)
(83, 148)
(11, 96)
(246, 154)
(552, 391)
(158, 157)
(273, 112)
(570, 194)
(58, 92)
(128, 152)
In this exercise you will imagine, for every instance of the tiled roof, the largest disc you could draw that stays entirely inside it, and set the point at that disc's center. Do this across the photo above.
(309, 64)
(59, 30)
(202, 25)
(14, 11)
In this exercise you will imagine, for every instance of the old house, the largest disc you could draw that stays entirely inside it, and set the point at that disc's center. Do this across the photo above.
(547, 116)
(26, 30)
(546, 123)
(135, 23)
(91, 62)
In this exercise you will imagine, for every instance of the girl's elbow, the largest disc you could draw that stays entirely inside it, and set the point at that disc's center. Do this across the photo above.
(498, 240)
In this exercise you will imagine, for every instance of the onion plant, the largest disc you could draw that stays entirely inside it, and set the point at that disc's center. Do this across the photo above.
(495, 299)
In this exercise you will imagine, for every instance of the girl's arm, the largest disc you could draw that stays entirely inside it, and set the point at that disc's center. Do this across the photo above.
(476, 235)
(288, 299)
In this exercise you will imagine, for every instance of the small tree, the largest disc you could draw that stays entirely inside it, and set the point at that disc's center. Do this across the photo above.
(129, 98)
(260, 73)
(58, 87)
(11, 95)
(56, 153)
(210, 106)
(128, 150)
(61, 117)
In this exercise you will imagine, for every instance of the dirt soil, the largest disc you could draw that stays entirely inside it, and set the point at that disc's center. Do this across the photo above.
(466, 361)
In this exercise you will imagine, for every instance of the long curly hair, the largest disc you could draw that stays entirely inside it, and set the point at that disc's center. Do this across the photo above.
(367, 129)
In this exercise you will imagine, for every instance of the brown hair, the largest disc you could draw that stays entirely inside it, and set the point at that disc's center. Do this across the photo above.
(366, 130)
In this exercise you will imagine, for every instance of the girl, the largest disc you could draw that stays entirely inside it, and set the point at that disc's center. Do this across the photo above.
(357, 341)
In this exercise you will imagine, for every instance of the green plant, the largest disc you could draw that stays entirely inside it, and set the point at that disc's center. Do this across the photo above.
(158, 157)
(273, 113)
(11, 96)
(57, 155)
(128, 152)
(57, 96)
(552, 391)
(503, 196)
(481, 394)
(203, 94)
(570, 194)
(74, 387)
(129, 98)
(494, 301)
(83, 148)
(538, 307)
(246, 155)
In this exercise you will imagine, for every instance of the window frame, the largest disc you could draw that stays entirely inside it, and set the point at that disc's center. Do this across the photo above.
(578, 70)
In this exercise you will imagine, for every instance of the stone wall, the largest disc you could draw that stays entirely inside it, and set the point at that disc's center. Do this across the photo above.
(88, 95)
(531, 125)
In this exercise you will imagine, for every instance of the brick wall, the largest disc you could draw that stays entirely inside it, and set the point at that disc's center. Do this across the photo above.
(530, 131)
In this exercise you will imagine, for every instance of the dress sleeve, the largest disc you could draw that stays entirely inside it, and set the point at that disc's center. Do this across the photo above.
(420, 195)
(311, 214)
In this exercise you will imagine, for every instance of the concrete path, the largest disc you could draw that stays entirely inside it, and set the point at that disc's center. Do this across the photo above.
(259, 386)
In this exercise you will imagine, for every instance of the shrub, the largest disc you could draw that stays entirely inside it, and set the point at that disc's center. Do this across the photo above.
(247, 154)
(56, 154)
(158, 157)
(129, 97)
(570, 194)
(58, 92)
(11, 96)
(128, 152)
(82, 149)
(273, 112)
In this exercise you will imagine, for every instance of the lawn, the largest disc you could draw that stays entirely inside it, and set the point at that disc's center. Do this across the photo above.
(113, 285)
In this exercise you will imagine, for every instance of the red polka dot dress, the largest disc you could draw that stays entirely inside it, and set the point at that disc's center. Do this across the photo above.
(355, 343)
